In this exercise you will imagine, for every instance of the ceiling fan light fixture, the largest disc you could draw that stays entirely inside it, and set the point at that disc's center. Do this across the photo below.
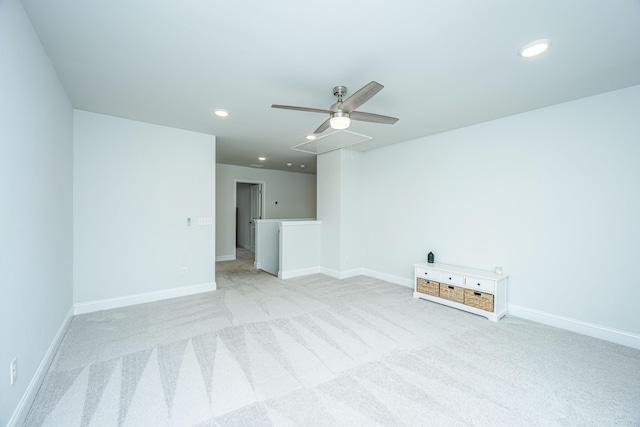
(339, 122)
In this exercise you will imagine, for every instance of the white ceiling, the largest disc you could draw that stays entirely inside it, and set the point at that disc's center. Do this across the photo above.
(444, 64)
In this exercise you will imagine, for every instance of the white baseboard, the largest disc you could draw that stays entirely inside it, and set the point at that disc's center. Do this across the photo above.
(341, 274)
(351, 273)
(284, 275)
(124, 301)
(403, 281)
(597, 331)
(225, 258)
(329, 272)
(367, 272)
(22, 410)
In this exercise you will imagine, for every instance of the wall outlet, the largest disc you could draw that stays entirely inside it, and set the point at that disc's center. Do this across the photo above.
(13, 368)
(183, 271)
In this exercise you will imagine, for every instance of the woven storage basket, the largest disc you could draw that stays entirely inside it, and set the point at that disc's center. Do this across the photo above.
(453, 293)
(428, 287)
(480, 300)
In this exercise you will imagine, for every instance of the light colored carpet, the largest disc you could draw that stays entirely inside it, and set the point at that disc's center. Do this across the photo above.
(317, 351)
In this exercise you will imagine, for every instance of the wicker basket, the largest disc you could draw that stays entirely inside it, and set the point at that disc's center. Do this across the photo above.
(453, 293)
(480, 300)
(428, 287)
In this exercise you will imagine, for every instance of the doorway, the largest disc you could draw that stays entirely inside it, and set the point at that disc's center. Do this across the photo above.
(249, 207)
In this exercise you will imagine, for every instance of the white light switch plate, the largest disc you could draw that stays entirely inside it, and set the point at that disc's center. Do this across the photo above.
(205, 221)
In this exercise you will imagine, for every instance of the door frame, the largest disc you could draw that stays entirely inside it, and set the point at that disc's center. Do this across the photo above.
(263, 189)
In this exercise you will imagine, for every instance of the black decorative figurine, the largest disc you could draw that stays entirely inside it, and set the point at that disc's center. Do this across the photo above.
(430, 258)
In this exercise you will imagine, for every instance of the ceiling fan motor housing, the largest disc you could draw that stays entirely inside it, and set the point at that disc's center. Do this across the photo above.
(336, 111)
(339, 91)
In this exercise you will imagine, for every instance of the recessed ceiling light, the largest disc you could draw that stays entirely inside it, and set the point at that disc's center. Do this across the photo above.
(534, 48)
(221, 113)
(302, 166)
(311, 137)
(262, 159)
(289, 165)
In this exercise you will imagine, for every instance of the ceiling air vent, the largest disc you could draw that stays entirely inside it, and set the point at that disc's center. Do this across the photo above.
(331, 141)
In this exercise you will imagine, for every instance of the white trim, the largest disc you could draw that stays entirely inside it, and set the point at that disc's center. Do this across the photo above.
(297, 273)
(329, 272)
(351, 273)
(127, 300)
(297, 222)
(597, 331)
(402, 281)
(341, 274)
(234, 203)
(22, 410)
(225, 258)
(263, 188)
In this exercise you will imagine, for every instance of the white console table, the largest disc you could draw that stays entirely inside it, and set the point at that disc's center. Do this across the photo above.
(476, 291)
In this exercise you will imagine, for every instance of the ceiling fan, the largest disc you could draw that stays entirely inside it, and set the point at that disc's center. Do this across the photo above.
(342, 112)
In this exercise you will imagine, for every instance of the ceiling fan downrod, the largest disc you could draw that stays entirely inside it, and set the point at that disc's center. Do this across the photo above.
(339, 119)
(339, 92)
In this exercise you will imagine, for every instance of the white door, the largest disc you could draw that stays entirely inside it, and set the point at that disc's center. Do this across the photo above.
(256, 213)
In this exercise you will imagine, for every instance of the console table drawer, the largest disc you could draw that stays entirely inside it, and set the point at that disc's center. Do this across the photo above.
(428, 287)
(452, 293)
(427, 274)
(483, 285)
(479, 300)
(451, 279)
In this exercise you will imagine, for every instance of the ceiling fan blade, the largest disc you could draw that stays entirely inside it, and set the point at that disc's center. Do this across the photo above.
(360, 97)
(311, 110)
(373, 118)
(324, 126)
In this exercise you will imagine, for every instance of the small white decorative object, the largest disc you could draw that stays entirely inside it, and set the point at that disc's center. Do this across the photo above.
(498, 270)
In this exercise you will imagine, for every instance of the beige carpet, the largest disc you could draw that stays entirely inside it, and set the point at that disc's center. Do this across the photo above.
(317, 351)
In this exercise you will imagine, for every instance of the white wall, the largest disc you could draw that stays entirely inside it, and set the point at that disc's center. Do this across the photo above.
(340, 207)
(352, 210)
(329, 188)
(299, 248)
(135, 185)
(36, 218)
(267, 256)
(294, 192)
(552, 195)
